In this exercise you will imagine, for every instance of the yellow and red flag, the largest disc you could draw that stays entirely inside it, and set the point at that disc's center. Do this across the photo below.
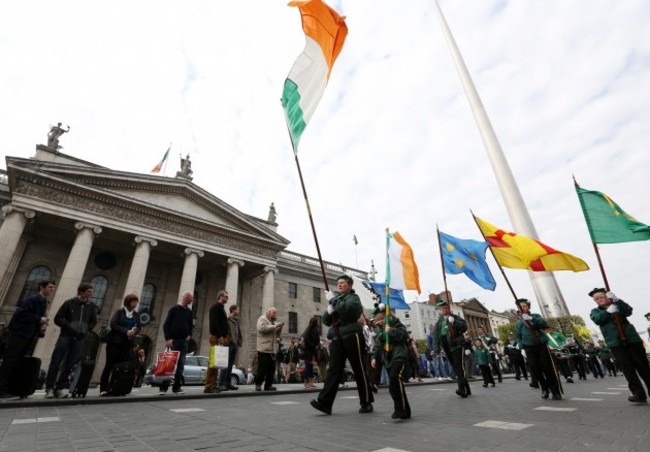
(517, 251)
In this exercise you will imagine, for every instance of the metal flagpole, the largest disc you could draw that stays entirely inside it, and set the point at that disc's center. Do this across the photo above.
(167, 158)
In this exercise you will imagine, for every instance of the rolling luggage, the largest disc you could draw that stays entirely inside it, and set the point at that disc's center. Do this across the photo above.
(81, 378)
(24, 379)
(121, 380)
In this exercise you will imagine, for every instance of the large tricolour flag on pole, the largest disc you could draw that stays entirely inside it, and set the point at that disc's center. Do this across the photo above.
(402, 271)
(325, 33)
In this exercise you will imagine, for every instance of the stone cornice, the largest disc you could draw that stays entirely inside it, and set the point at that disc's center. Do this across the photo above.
(101, 204)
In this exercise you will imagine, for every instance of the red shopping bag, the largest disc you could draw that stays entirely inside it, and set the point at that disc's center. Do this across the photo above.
(166, 365)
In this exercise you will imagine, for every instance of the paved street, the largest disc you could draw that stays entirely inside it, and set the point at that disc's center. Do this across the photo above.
(594, 416)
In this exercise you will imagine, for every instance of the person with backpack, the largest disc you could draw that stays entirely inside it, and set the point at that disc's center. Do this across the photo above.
(125, 325)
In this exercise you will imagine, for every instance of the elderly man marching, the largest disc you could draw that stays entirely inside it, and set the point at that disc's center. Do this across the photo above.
(623, 340)
(449, 336)
(343, 314)
(530, 335)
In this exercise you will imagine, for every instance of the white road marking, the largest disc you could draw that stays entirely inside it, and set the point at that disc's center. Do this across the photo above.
(351, 397)
(35, 420)
(503, 425)
(436, 389)
(187, 410)
(390, 449)
(607, 393)
(585, 399)
(614, 389)
(286, 402)
(553, 408)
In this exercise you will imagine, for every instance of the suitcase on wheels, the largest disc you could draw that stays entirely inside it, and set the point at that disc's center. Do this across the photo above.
(24, 379)
(81, 378)
(121, 381)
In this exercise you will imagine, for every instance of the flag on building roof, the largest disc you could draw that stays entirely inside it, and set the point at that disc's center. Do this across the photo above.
(354, 239)
(466, 256)
(325, 33)
(517, 251)
(158, 167)
(607, 222)
(401, 269)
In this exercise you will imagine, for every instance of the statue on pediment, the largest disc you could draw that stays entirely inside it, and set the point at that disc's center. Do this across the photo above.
(186, 168)
(53, 136)
(273, 215)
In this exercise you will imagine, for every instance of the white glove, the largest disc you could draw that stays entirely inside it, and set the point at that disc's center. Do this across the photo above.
(329, 295)
(468, 352)
(450, 320)
(611, 296)
(612, 308)
(527, 317)
(330, 309)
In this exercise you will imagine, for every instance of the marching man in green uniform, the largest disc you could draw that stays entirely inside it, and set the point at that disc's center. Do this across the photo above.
(529, 332)
(395, 359)
(449, 337)
(623, 340)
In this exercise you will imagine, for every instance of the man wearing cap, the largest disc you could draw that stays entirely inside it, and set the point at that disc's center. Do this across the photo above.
(449, 337)
(529, 332)
(348, 343)
(623, 340)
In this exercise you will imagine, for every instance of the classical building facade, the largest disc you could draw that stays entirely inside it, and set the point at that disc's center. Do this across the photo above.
(158, 237)
(475, 314)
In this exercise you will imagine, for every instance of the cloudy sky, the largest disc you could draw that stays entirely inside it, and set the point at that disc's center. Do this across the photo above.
(393, 142)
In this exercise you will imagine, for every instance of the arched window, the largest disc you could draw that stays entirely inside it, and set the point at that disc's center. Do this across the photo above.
(100, 284)
(36, 275)
(148, 298)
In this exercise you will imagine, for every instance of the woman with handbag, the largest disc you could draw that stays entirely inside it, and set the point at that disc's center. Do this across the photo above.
(125, 325)
(311, 341)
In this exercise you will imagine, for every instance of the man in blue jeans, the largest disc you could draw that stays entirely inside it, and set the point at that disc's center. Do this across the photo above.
(76, 317)
(178, 331)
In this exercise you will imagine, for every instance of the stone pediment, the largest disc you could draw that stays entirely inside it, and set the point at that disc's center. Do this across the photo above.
(474, 305)
(159, 196)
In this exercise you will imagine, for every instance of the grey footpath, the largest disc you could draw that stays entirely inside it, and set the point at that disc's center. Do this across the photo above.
(510, 417)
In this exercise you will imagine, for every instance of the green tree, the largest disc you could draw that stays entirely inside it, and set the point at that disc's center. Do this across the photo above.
(503, 332)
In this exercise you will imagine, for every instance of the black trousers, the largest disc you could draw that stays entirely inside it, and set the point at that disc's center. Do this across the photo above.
(519, 366)
(396, 388)
(541, 365)
(563, 365)
(496, 370)
(579, 363)
(631, 360)
(486, 374)
(265, 369)
(17, 347)
(351, 348)
(457, 361)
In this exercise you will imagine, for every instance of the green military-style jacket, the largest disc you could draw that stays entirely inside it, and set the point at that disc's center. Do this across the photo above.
(397, 341)
(443, 329)
(608, 328)
(523, 334)
(348, 310)
(604, 352)
(483, 356)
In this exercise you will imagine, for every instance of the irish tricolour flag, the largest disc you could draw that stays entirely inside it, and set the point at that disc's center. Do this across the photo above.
(325, 32)
(402, 271)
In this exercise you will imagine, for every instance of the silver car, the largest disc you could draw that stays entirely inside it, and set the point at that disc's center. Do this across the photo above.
(193, 373)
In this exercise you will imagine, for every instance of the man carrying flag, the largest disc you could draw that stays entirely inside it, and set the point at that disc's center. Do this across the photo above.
(448, 336)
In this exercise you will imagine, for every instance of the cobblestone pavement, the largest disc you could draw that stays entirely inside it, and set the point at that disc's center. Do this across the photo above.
(594, 415)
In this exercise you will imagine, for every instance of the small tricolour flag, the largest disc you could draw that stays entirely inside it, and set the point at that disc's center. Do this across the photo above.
(325, 33)
(402, 271)
(158, 167)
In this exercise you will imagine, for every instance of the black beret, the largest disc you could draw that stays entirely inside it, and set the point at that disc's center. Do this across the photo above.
(597, 290)
(346, 278)
(523, 300)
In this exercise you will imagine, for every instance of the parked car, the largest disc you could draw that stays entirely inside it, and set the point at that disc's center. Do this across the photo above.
(193, 373)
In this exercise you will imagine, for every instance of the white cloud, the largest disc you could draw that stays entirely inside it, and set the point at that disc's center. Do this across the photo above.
(393, 142)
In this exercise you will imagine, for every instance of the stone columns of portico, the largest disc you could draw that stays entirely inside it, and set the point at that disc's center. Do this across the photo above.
(138, 272)
(267, 290)
(188, 277)
(15, 220)
(67, 286)
(232, 278)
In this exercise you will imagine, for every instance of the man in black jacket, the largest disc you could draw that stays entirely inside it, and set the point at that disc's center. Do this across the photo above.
(218, 336)
(28, 322)
(178, 332)
(76, 317)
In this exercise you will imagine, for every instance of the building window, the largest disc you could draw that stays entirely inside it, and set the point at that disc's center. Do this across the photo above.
(100, 284)
(36, 275)
(293, 323)
(316, 292)
(293, 290)
(148, 298)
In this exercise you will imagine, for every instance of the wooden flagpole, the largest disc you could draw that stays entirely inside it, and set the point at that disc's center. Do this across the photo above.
(387, 288)
(452, 328)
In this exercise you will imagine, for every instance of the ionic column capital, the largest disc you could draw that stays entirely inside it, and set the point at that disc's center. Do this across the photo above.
(142, 239)
(232, 260)
(80, 225)
(9, 208)
(188, 251)
(273, 270)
